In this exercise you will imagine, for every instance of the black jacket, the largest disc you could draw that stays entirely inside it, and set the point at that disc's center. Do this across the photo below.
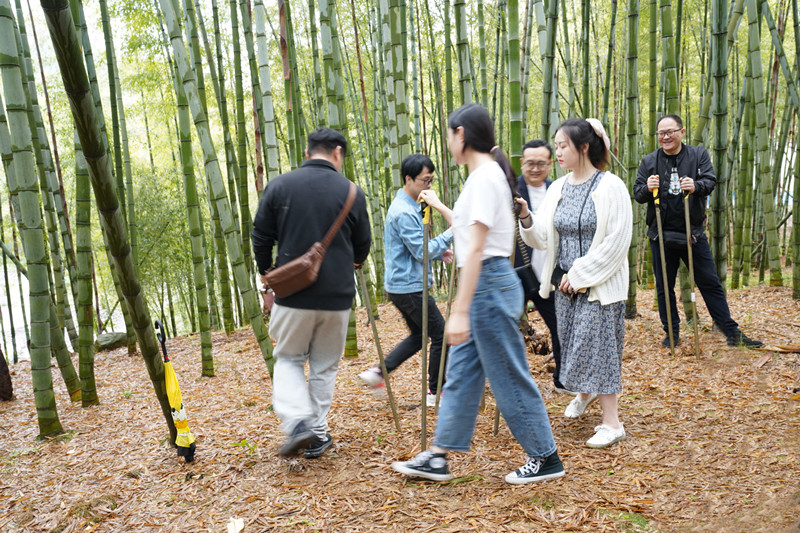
(296, 210)
(692, 161)
(523, 191)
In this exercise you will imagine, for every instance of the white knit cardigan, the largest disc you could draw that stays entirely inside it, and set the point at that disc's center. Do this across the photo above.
(604, 267)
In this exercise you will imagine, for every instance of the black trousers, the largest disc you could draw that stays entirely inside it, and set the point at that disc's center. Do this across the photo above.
(547, 309)
(410, 307)
(705, 277)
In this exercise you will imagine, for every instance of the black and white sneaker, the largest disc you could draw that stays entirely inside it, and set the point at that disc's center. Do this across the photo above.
(426, 464)
(318, 446)
(538, 469)
(740, 339)
(299, 439)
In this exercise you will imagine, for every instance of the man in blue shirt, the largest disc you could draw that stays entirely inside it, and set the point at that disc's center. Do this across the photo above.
(403, 277)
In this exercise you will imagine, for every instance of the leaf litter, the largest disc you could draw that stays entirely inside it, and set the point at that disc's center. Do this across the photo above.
(712, 444)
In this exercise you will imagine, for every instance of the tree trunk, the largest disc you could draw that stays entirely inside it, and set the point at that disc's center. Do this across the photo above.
(76, 85)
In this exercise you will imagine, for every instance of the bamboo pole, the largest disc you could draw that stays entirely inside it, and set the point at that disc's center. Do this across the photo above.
(385, 373)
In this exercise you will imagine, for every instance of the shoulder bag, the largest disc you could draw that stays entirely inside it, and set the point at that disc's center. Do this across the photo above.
(301, 272)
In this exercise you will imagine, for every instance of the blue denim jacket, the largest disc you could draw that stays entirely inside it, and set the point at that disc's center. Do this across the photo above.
(402, 239)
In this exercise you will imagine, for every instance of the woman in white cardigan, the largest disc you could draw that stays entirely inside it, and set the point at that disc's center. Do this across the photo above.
(585, 224)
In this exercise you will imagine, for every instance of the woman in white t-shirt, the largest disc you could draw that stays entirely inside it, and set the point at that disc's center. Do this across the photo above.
(483, 328)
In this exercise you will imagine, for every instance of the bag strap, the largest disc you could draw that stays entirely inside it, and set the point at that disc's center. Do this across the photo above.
(588, 192)
(351, 197)
(523, 248)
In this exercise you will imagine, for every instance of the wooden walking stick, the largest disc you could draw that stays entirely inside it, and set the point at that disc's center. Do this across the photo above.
(371, 317)
(423, 354)
(664, 270)
(691, 274)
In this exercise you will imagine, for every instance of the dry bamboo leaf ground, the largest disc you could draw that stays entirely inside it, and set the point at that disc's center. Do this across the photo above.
(713, 446)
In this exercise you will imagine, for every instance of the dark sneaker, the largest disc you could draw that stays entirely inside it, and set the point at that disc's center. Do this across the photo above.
(301, 437)
(740, 339)
(538, 469)
(675, 339)
(426, 464)
(318, 446)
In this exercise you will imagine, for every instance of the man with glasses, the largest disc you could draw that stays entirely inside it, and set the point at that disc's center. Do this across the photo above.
(402, 237)
(537, 160)
(677, 169)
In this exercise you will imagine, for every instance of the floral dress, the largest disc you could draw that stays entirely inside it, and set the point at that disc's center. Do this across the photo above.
(591, 335)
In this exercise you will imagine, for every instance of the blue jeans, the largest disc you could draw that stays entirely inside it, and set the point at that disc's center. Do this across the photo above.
(495, 351)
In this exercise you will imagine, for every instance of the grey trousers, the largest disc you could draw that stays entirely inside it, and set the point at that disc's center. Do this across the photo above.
(314, 336)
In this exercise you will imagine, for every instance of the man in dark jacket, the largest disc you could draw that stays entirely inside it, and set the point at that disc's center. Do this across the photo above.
(677, 169)
(296, 210)
(537, 160)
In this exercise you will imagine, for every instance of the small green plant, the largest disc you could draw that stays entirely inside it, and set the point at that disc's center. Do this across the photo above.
(542, 503)
(127, 394)
(251, 448)
(465, 479)
(249, 403)
(631, 522)
(380, 438)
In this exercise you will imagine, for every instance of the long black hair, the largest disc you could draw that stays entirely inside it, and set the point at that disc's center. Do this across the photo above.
(479, 135)
(580, 132)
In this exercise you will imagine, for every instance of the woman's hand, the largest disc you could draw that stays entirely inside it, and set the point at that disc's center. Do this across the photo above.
(457, 329)
(429, 197)
(566, 286)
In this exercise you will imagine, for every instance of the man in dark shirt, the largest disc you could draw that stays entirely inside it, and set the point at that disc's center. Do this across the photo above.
(537, 160)
(296, 210)
(677, 169)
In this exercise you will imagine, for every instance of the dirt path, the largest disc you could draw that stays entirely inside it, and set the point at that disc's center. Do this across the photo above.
(713, 446)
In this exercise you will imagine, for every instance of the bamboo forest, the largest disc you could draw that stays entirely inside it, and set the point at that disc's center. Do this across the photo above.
(137, 138)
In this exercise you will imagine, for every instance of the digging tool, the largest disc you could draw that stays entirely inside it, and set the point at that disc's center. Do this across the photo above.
(657, 201)
(423, 354)
(691, 274)
(365, 293)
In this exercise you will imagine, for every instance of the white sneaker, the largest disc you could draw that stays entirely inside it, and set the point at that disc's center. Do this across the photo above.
(372, 378)
(430, 400)
(606, 436)
(577, 406)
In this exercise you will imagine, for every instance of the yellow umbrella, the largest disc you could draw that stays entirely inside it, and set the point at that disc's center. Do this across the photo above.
(184, 441)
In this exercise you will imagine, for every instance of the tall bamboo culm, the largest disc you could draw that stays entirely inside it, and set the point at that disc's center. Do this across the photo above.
(32, 232)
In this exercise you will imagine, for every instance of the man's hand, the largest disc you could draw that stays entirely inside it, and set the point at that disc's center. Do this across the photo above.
(653, 182)
(523, 212)
(447, 257)
(687, 184)
(267, 296)
(267, 300)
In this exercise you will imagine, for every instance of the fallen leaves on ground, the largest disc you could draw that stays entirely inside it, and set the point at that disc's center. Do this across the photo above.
(712, 445)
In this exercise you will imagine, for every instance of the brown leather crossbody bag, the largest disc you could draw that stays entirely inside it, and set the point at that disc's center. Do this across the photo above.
(301, 272)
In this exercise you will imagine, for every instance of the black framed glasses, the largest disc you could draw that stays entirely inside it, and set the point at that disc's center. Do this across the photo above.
(666, 134)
